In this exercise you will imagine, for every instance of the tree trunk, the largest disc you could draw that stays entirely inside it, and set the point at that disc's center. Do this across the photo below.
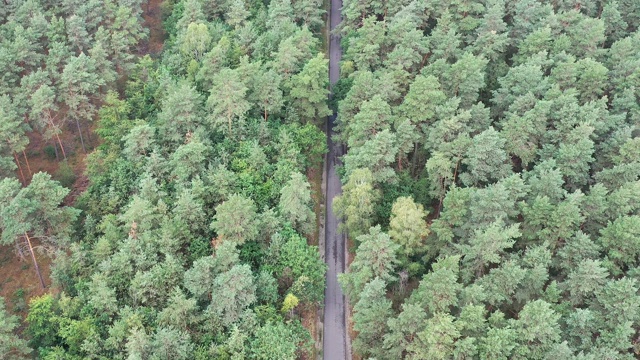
(53, 126)
(415, 160)
(64, 154)
(19, 251)
(19, 168)
(27, 161)
(55, 148)
(35, 262)
(81, 138)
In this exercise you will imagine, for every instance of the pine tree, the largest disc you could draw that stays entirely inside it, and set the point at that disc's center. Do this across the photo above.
(309, 90)
(233, 291)
(408, 226)
(375, 258)
(370, 315)
(236, 220)
(357, 202)
(13, 130)
(295, 203)
(12, 347)
(227, 102)
(486, 159)
(35, 212)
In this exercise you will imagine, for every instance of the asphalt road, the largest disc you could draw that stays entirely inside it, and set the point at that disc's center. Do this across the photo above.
(335, 335)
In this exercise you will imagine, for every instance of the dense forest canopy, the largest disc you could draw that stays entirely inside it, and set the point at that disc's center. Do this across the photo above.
(490, 187)
(192, 238)
(491, 181)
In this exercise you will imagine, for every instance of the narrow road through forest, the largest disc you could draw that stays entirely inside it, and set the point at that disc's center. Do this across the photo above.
(335, 333)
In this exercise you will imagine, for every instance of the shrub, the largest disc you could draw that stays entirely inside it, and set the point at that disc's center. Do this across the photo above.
(65, 175)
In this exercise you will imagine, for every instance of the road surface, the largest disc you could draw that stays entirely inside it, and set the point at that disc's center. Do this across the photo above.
(335, 336)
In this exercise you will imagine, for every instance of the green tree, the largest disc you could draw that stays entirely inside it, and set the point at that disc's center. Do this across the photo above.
(420, 103)
(498, 344)
(298, 266)
(126, 33)
(370, 315)
(375, 258)
(35, 212)
(13, 130)
(275, 341)
(78, 82)
(236, 220)
(403, 330)
(171, 344)
(189, 160)
(227, 102)
(408, 226)
(296, 203)
(488, 246)
(199, 278)
(12, 347)
(439, 289)
(486, 159)
(615, 25)
(237, 14)
(620, 240)
(373, 117)
(45, 112)
(583, 281)
(309, 13)
(195, 41)
(357, 202)
(181, 112)
(43, 321)
(537, 328)
(309, 90)
(267, 93)
(366, 47)
(377, 155)
(437, 340)
(233, 291)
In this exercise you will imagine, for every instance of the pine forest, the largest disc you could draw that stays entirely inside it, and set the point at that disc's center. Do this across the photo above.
(166, 167)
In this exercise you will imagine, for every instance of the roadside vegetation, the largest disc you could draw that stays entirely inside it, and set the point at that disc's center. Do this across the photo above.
(191, 240)
(491, 180)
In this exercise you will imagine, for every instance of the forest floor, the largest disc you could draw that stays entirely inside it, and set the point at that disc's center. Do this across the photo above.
(152, 16)
(19, 282)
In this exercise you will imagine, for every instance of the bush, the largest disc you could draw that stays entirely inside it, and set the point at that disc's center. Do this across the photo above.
(50, 152)
(19, 300)
(65, 175)
(43, 321)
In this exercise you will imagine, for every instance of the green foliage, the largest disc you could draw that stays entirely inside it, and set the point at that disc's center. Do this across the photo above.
(408, 226)
(309, 90)
(296, 204)
(514, 121)
(291, 256)
(11, 345)
(279, 341)
(50, 152)
(43, 321)
(357, 202)
(370, 315)
(236, 220)
(339, 91)
(65, 175)
(376, 259)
